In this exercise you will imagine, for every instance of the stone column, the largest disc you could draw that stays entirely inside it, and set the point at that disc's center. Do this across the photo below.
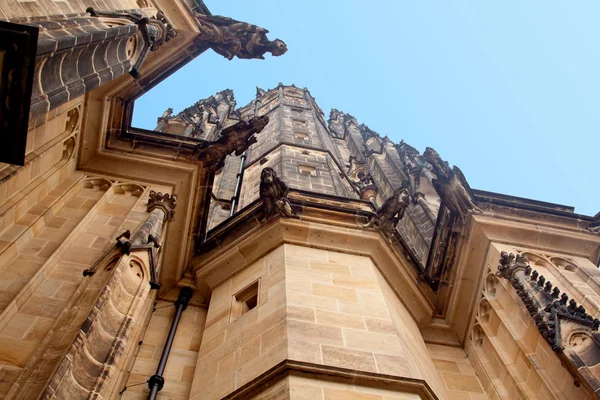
(147, 236)
(93, 362)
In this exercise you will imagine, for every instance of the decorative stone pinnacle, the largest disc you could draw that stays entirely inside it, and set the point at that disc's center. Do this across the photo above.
(165, 202)
(541, 298)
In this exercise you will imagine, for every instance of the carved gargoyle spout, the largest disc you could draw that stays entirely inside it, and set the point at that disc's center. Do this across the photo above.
(274, 195)
(231, 38)
(451, 185)
(237, 137)
(385, 217)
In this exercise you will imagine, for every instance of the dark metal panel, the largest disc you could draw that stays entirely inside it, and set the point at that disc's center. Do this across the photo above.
(18, 45)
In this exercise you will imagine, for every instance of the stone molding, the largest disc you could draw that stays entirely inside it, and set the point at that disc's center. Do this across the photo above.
(325, 372)
(316, 229)
(497, 227)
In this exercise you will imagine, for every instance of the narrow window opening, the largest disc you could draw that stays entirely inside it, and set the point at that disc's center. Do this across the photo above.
(301, 135)
(307, 170)
(244, 301)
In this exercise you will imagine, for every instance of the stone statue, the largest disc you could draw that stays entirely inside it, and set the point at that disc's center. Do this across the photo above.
(273, 193)
(231, 38)
(385, 217)
(237, 137)
(451, 186)
(364, 180)
(168, 112)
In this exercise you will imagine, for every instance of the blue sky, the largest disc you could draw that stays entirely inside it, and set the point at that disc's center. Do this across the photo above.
(507, 90)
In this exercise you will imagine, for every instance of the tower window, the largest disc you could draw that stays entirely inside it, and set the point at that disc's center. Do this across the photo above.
(244, 301)
(307, 170)
(301, 135)
(299, 123)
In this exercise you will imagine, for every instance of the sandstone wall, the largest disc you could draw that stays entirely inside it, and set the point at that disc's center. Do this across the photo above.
(509, 354)
(317, 308)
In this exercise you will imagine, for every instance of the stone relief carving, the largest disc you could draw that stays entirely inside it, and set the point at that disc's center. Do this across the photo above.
(237, 137)
(451, 185)
(385, 217)
(273, 192)
(155, 32)
(554, 313)
(231, 38)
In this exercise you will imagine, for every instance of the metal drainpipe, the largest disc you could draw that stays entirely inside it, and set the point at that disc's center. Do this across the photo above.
(156, 381)
(238, 185)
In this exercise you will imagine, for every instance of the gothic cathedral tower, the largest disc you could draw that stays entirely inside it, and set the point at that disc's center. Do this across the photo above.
(264, 251)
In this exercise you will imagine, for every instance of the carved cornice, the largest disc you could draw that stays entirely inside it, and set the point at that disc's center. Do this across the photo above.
(241, 240)
(542, 300)
(419, 387)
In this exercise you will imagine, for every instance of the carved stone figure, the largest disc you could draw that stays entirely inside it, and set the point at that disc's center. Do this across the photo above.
(231, 38)
(155, 32)
(237, 137)
(167, 113)
(451, 185)
(385, 217)
(364, 180)
(594, 226)
(273, 192)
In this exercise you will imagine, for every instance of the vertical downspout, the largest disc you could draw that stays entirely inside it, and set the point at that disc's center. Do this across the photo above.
(238, 185)
(240, 175)
(156, 381)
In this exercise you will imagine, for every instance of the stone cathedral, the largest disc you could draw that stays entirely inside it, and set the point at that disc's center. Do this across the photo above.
(261, 251)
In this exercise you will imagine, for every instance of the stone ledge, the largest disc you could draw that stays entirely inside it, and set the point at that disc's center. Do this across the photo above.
(232, 255)
(329, 373)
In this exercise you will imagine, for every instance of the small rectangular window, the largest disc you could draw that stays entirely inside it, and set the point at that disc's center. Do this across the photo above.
(299, 123)
(307, 170)
(244, 301)
(298, 110)
(301, 135)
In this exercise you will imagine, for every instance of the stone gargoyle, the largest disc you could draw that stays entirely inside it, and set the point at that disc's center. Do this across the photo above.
(237, 137)
(385, 216)
(451, 185)
(231, 38)
(273, 192)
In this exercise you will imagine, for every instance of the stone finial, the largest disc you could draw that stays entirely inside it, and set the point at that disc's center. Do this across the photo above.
(273, 192)
(509, 264)
(231, 38)
(385, 217)
(451, 185)
(165, 202)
